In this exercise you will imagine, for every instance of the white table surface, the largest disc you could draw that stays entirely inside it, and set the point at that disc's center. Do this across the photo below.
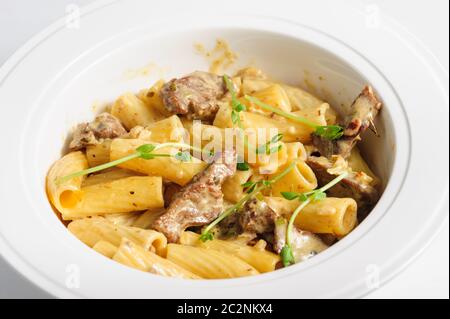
(426, 277)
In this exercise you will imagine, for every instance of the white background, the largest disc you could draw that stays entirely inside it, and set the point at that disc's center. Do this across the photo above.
(426, 277)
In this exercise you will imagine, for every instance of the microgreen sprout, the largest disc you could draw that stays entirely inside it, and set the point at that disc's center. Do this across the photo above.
(145, 151)
(330, 132)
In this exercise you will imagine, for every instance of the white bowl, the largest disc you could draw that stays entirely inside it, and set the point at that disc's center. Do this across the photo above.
(52, 82)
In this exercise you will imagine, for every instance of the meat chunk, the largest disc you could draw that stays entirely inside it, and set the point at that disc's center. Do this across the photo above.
(357, 119)
(199, 202)
(304, 244)
(103, 127)
(194, 95)
(356, 185)
(257, 217)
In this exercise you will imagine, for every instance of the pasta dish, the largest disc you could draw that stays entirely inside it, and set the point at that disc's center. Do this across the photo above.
(212, 176)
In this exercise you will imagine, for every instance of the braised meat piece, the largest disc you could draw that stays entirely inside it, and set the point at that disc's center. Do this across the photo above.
(357, 119)
(103, 127)
(194, 95)
(257, 217)
(199, 202)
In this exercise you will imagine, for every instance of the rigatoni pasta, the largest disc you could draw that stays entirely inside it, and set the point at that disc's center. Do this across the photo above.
(118, 196)
(132, 111)
(261, 260)
(66, 195)
(92, 230)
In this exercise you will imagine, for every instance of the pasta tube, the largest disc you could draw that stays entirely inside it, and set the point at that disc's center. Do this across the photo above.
(65, 196)
(300, 179)
(330, 215)
(132, 111)
(261, 260)
(92, 230)
(118, 196)
(132, 255)
(167, 167)
(105, 248)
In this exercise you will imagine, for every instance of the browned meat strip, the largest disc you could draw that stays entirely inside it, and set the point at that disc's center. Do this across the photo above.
(199, 202)
(257, 217)
(356, 185)
(104, 126)
(194, 95)
(356, 121)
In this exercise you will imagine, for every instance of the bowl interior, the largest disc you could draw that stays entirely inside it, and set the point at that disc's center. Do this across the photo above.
(122, 65)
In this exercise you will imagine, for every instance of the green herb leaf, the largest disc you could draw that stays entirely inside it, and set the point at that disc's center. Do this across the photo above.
(243, 166)
(287, 257)
(251, 189)
(240, 107)
(147, 156)
(316, 196)
(247, 184)
(330, 132)
(302, 197)
(290, 195)
(145, 148)
(266, 183)
(234, 117)
(276, 138)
